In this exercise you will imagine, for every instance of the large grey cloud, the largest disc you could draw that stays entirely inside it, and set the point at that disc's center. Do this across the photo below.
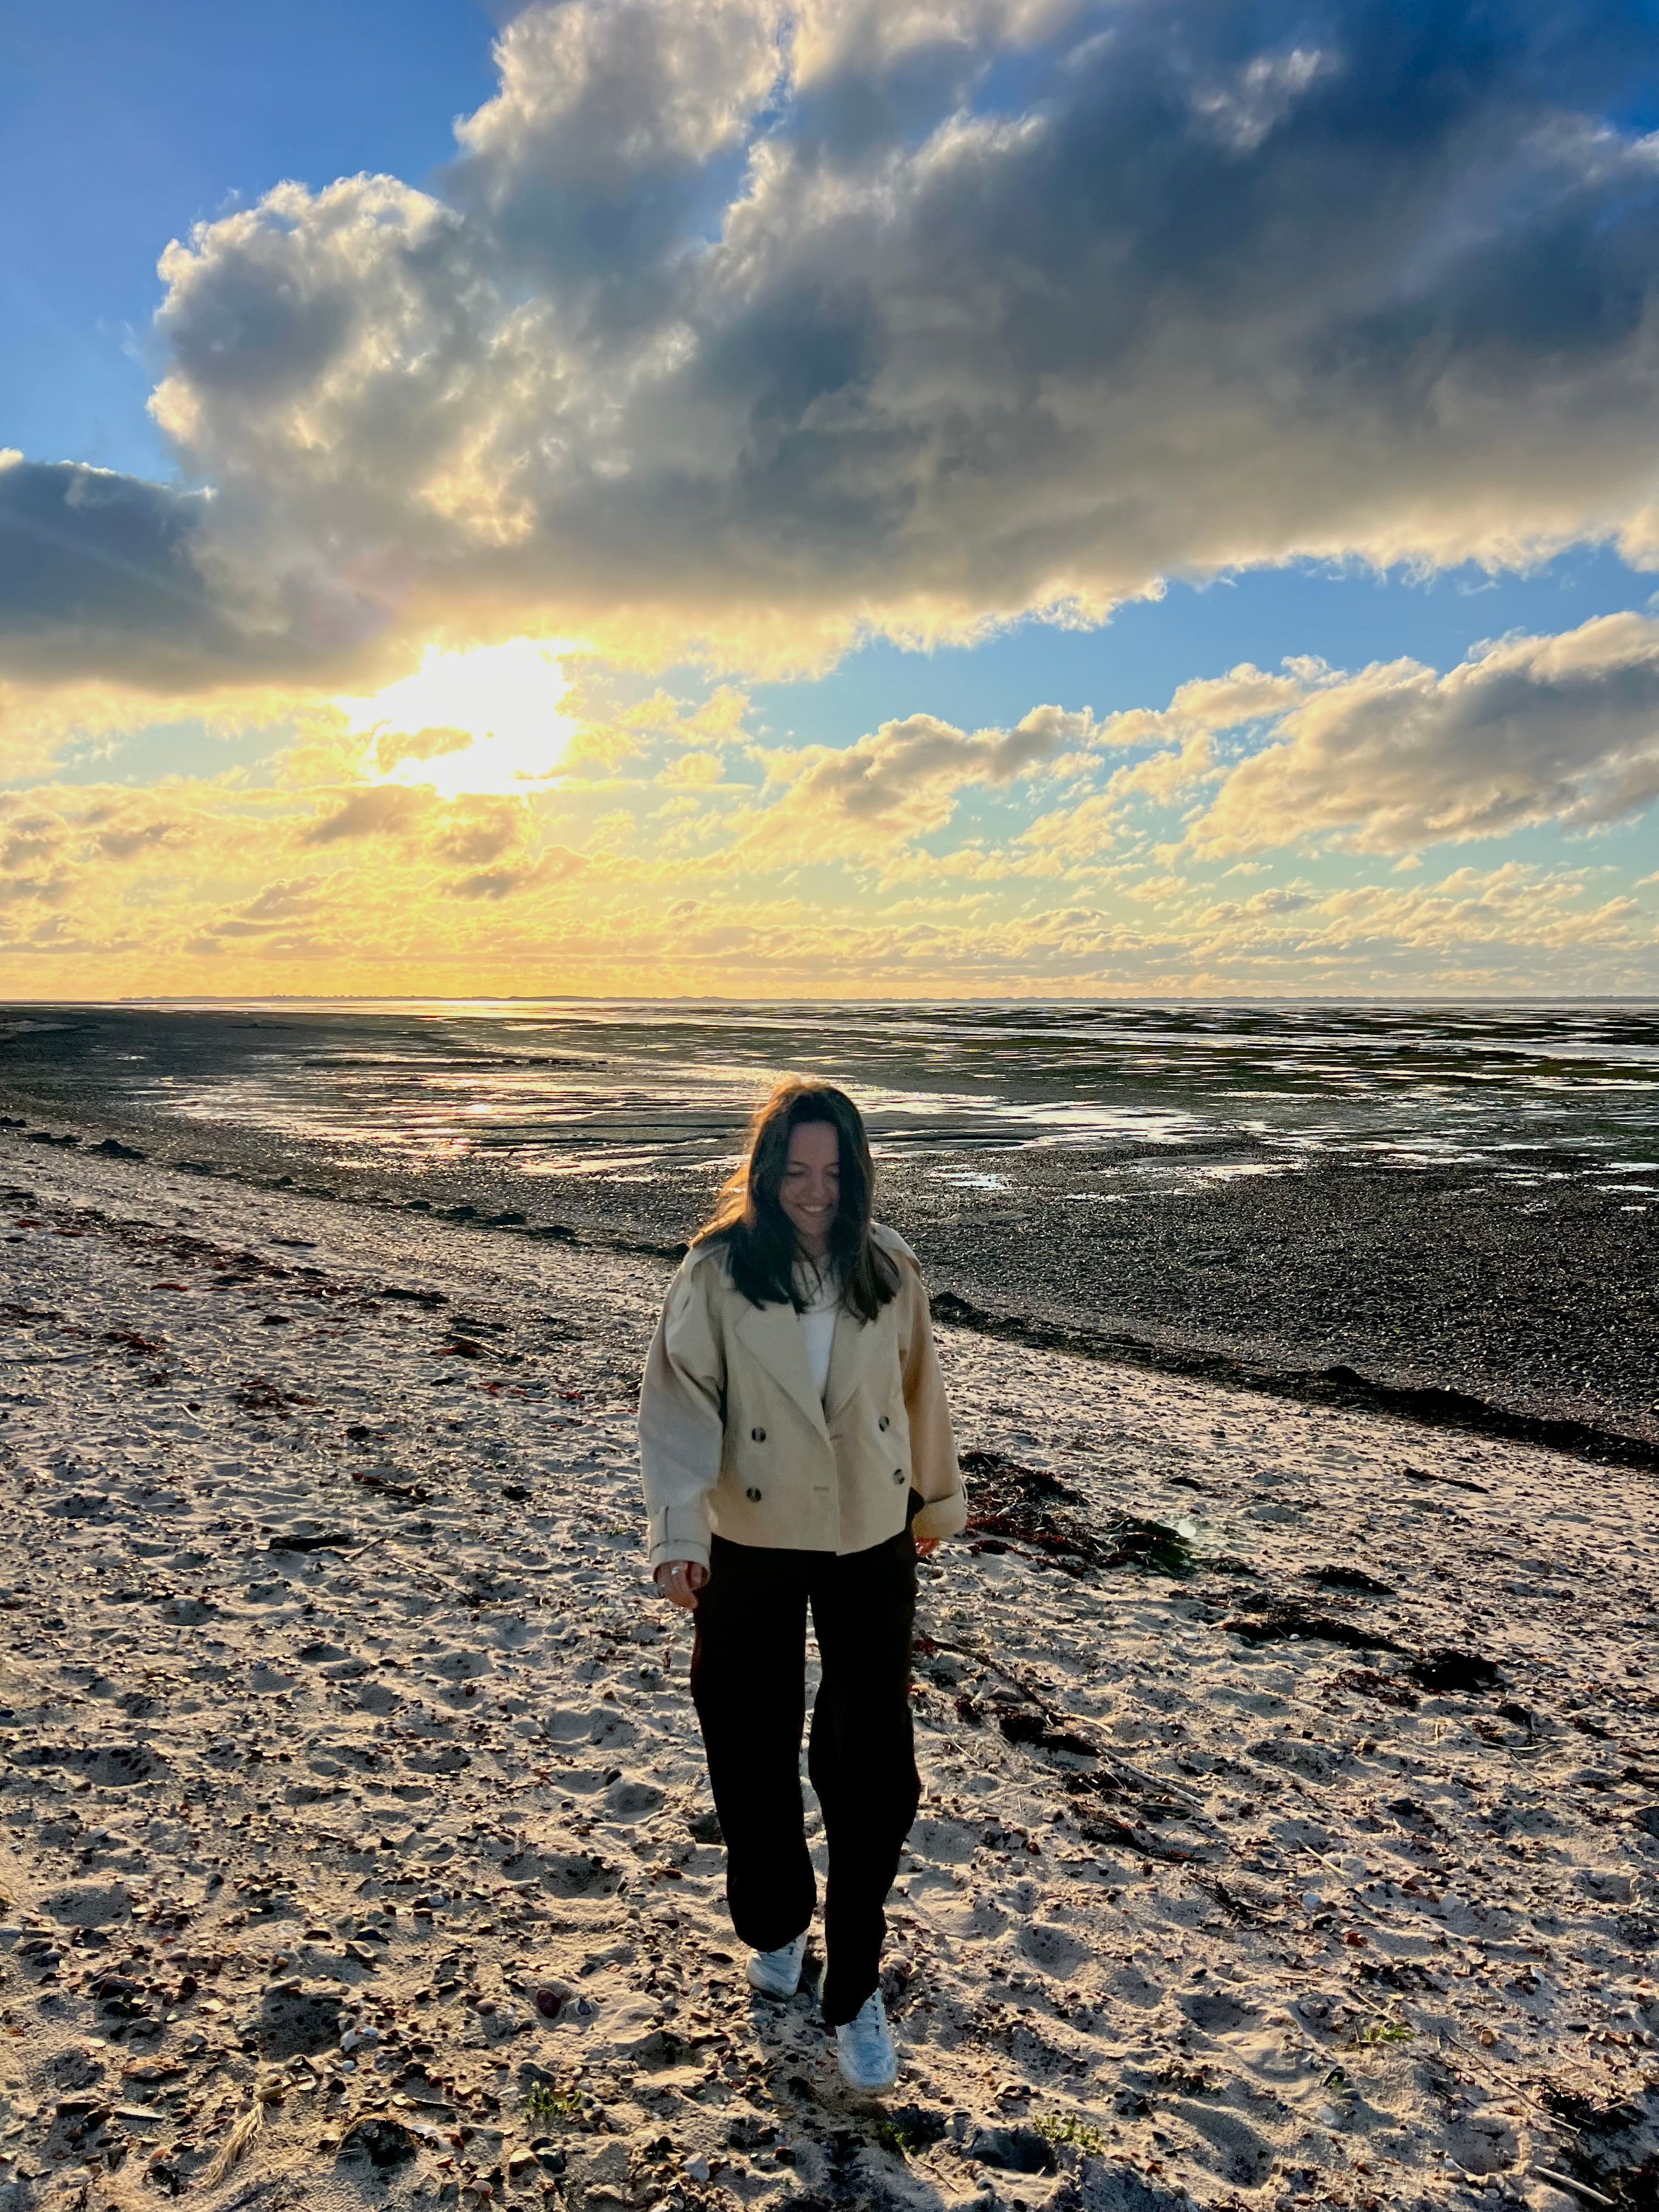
(106, 576)
(767, 321)
(93, 562)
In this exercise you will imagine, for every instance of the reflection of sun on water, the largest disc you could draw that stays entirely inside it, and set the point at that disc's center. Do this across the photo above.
(484, 723)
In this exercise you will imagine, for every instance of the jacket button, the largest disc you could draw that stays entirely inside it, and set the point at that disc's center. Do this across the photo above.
(898, 1475)
(753, 1496)
(759, 1435)
(882, 1423)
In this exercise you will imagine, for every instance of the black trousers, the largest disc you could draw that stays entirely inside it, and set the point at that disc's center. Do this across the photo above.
(749, 1683)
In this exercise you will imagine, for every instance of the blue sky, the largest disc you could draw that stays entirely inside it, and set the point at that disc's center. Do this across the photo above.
(120, 127)
(828, 396)
(1150, 646)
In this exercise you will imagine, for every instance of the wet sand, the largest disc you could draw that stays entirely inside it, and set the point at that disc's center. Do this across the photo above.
(1523, 1311)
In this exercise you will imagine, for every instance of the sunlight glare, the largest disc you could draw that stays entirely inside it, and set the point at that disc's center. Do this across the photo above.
(505, 699)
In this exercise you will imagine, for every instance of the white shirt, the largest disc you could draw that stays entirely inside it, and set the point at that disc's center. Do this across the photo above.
(822, 1294)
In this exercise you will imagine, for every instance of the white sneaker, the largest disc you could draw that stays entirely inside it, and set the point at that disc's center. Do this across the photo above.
(864, 2046)
(777, 1973)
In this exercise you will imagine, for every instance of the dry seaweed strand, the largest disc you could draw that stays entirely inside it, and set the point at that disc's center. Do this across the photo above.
(237, 2144)
(1129, 1777)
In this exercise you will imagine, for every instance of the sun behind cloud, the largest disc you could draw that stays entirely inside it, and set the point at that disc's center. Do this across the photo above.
(484, 723)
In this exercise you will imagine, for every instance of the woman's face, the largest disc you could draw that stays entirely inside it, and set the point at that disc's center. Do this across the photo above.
(810, 1190)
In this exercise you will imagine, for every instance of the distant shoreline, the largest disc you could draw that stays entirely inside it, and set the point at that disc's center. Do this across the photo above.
(1012, 1301)
(1552, 999)
(1329, 1213)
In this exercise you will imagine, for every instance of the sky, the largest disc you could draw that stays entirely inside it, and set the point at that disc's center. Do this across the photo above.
(888, 498)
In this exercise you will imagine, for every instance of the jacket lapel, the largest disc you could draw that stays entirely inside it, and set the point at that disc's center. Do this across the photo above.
(775, 1335)
(849, 1353)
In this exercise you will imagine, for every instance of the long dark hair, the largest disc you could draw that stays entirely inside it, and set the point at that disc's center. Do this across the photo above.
(760, 1237)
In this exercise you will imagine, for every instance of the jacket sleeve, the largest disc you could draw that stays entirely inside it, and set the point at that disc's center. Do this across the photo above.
(934, 1474)
(682, 1422)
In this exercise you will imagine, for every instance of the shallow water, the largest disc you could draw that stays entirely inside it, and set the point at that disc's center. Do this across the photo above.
(635, 1090)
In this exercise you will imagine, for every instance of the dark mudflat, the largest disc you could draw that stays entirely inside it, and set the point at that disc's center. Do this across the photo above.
(1441, 1294)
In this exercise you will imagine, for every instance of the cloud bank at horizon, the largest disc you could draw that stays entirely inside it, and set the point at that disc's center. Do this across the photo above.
(1112, 848)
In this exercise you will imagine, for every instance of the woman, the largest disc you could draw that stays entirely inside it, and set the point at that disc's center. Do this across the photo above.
(796, 1450)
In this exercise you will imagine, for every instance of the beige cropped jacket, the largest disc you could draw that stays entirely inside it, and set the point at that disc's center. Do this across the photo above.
(735, 1439)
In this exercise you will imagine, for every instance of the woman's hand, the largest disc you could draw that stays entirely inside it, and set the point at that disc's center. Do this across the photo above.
(925, 1544)
(679, 1581)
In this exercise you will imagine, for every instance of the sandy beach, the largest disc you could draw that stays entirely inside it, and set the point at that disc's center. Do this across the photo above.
(1291, 1831)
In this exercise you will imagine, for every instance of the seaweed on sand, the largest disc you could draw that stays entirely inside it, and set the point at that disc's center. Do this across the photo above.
(1152, 1546)
(1441, 1671)
(1268, 1619)
(1031, 1720)
(1450, 1673)
(1025, 1724)
(1349, 1578)
(1022, 1509)
(1444, 1671)
(1607, 2154)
